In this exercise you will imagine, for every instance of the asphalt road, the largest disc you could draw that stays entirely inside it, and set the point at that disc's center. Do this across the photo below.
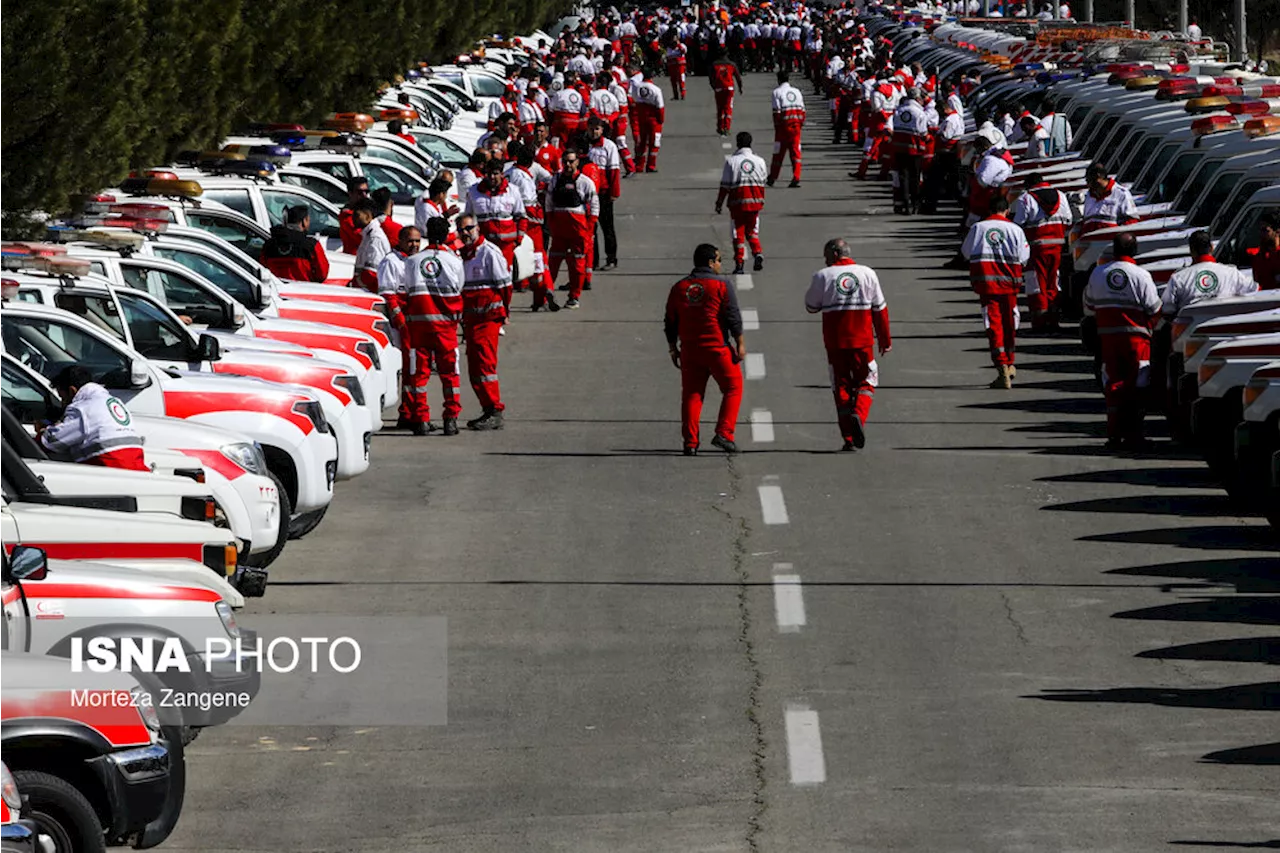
(1000, 637)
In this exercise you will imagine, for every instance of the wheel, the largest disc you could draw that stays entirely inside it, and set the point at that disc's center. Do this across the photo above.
(305, 523)
(266, 558)
(61, 812)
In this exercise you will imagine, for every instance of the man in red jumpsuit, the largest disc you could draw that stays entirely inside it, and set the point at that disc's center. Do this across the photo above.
(484, 309)
(432, 303)
(788, 124)
(348, 231)
(392, 274)
(572, 209)
(703, 326)
(290, 253)
(855, 318)
(1266, 264)
(997, 251)
(1045, 215)
(531, 181)
(648, 113)
(1123, 298)
(677, 65)
(723, 75)
(742, 183)
(499, 209)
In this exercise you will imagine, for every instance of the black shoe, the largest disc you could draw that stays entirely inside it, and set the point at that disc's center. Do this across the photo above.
(403, 422)
(552, 305)
(794, 183)
(725, 444)
(586, 285)
(420, 429)
(847, 447)
(956, 263)
(612, 263)
(563, 287)
(691, 451)
(1113, 444)
(572, 304)
(450, 426)
(859, 435)
(769, 182)
(487, 421)
(758, 263)
(739, 269)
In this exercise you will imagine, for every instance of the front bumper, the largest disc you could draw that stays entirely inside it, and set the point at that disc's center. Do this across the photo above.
(317, 467)
(350, 430)
(19, 837)
(137, 785)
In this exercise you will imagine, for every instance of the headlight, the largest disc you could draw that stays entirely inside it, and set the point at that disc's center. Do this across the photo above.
(313, 410)
(370, 351)
(146, 708)
(351, 384)
(228, 617)
(12, 798)
(246, 455)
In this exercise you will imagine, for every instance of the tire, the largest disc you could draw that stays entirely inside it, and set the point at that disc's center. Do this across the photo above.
(266, 558)
(60, 811)
(305, 523)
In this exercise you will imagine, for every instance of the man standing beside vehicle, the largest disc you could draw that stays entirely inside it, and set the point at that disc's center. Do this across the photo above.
(96, 428)
(703, 326)
(485, 296)
(1266, 264)
(374, 245)
(1045, 215)
(392, 288)
(433, 303)
(290, 253)
(348, 231)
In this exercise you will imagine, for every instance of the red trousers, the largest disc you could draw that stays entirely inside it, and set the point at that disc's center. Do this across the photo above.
(564, 128)
(854, 377)
(620, 138)
(573, 243)
(746, 230)
(696, 367)
(877, 152)
(1000, 314)
(724, 110)
(481, 333)
(428, 343)
(648, 141)
(1046, 262)
(676, 71)
(542, 277)
(129, 458)
(1126, 366)
(786, 141)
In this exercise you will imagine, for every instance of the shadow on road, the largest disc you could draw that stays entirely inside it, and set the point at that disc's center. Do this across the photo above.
(1238, 650)
(1243, 697)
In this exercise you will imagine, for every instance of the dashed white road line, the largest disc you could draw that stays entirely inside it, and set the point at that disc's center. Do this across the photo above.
(750, 319)
(726, 146)
(788, 599)
(772, 505)
(755, 365)
(804, 746)
(761, 426)
(743, 281)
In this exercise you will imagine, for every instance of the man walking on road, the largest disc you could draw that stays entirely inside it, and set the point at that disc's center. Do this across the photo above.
(704, 335)
(742, 182)
(433, 282)
(572, 209)
(485, 297)
(910, 143)
(604, 153)
(788, 124)
(1045, 215)
(723, 75)
(855, 318)
(1123, 297)
(648, 113)
(997, 251)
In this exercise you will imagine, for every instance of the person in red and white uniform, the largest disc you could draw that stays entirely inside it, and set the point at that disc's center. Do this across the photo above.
(880, 101)
(96, 427)
(485, 297)
(992, 167)
(742, 182)
(433, 203)
(531, 181)
(703, 326)
(1204, 279)
(546, 152)
(910, 144)
(723, 75)
(1036, 137)
(291, 253)
(508, 103)
(604, 154)
(1045, 216)
(499, 209)
(433, 305)
(1266, 263)
(1123, 298)
(1107, 203)
(649, 112)
(568, 110)
(627, 35)
(374, 245)
(855, 322)
(572, 209)
(603, 104)
(788, 126)
(529, 115)
(472, 173)
(620, 90)
(357, 188)
(676, 57)
(997, 251)
(392, 288)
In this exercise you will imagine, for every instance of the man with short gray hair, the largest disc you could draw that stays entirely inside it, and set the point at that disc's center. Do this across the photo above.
(855, 321)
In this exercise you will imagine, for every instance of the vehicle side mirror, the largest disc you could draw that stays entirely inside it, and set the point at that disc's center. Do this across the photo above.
(139, 375)
(210, 348)
(237, 315)
(28, 563)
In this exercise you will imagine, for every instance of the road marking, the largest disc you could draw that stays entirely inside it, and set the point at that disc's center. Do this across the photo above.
(761, 426)
(750, 320)
(788, 599)
(772, 504)
(726, 146)
(743, 281)
(755, 365)
(804, 746)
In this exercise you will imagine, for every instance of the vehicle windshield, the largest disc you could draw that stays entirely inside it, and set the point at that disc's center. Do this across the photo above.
(229, 279)
(236, 199)
(1216, 198)
(1225, 213)
(1155, 167)
(47, 347)
(486, 86)
(1239, 247)
(323, 223)
(1194, 187)
(245, 236)
(388, 152)
(327, 190)
(1167, 187)
(155, 333)
(1137, 158)
(446, 151)
(1104, 130)
(183, 296)
(402, 186)
(25, 398)
(98, 309)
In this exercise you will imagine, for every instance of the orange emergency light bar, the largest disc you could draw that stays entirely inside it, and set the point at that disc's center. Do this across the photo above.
(401, 114)
(1214, 103)
(1213, 124)
(1142, 84)
(349, 122)
(1262, 126)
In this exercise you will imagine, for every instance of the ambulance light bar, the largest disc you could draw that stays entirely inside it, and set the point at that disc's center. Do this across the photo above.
(52, 265)
(401, 114)
(348, 122)
(107, 238)
(278, 155)
(345, 143)
(1207, 104)
(1262, 126)
(1213, 124)
(166, 187)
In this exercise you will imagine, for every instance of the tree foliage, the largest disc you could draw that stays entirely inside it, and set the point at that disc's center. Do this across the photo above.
(93, 88)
